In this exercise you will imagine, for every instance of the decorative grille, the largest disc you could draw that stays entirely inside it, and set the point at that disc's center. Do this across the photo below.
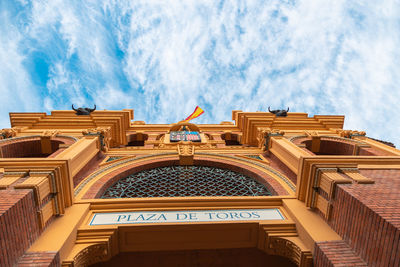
(185, 181)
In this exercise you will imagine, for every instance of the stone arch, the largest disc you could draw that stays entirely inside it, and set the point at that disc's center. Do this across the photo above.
(279, 242)
(186, 181)
(95, 184)
(334, 145)
(33, 146)
(290, 248)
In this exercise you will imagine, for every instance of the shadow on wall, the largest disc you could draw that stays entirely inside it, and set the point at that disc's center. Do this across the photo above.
(137, 139)
(231, 139)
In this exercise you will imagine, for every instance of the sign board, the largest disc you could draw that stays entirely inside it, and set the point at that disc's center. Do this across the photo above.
(185, 216)
(184, 136)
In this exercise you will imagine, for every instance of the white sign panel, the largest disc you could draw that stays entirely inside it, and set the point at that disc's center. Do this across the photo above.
(185, 216)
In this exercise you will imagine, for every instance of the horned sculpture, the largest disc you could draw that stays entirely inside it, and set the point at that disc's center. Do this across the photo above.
(83, 111)
(279, 112)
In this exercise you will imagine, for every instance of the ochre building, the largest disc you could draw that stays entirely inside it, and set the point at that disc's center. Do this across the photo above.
(263, 190)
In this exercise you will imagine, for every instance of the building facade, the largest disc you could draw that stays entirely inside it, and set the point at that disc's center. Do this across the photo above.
(266, 190)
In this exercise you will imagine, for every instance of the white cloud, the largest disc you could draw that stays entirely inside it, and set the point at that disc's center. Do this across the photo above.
(164, 58)
(16, 88)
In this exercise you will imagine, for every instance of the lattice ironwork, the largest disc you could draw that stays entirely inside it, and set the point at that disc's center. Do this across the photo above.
(184, 181)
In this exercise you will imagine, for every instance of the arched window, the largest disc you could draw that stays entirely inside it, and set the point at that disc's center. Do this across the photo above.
(331, 147)
(25, 148)
(183, 181)
(231, 139)
(137, 139)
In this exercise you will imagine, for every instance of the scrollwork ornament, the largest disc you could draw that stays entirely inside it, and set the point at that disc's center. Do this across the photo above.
(7, 133)
(104, 136)
(285, 248)
(91, 255)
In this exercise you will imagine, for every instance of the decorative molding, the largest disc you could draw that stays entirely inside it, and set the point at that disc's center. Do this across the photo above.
(11, 177)
(287, 248)
(56, 193)
(90, 255)
(186, 153)
(293, 138)
(51, 133)
(283, 240)
(350, 133)
(121, 162)
(264, 137)
(19, 138)
(55, 171)
(113, 165)
(337, 138)
(325, 179)
(68, 137)
(92, 246)
(356, 176)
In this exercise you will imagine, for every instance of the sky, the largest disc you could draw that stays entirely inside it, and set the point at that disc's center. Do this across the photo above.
(163, 58)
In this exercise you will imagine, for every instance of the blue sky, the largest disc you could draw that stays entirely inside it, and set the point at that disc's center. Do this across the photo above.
(162, 58)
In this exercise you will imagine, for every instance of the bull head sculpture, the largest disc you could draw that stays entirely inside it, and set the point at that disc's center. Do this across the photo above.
(83, 111)
(279, 112)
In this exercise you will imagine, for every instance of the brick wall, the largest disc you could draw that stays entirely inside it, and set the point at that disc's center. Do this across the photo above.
(25, 148)
(368, 218)
(90, 167)
(329, 147)
(21, 149)
(39, 259)
(335, 253)
(18, 224)
(281, 167)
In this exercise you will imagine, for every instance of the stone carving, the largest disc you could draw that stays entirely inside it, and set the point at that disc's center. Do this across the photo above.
(50, 133)
(311, 133)
(350, 133)
(288, 249)
(279, 112)
(186, 150)
(7, 133)
(264, 136)
(104, 136)
(186, 153)
(83, 111)
(90, 255)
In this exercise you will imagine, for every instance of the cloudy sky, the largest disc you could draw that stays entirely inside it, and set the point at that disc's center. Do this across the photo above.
(162, 58)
